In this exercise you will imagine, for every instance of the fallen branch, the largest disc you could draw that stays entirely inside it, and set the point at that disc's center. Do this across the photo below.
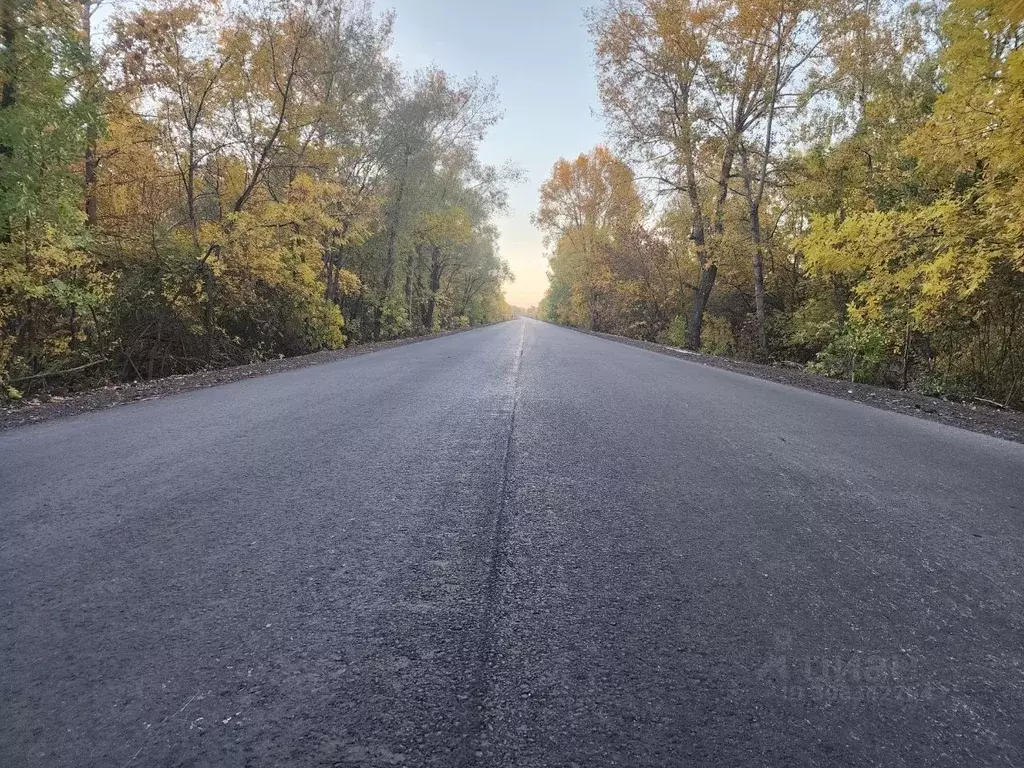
(44, 374)
(993, 403)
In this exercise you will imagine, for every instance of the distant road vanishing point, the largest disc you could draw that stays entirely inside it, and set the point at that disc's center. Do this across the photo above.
(515, 546)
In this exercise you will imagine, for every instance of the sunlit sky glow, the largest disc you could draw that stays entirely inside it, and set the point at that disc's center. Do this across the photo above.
(540, 54)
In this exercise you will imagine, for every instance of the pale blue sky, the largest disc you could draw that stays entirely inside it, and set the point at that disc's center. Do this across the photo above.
(540, 54)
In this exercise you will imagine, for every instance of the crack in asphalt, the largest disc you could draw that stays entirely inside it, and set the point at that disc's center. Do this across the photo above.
(474, 747)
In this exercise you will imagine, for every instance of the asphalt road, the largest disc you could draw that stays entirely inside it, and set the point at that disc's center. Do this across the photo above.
(517, 546)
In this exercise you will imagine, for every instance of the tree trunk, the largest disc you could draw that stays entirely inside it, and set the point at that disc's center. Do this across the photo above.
(8, 97)
(436, 269)
(708, 267)
(701, 295)
(89, 174)
(410, 270)
(756, 258)
(389, 264)
(757, 263)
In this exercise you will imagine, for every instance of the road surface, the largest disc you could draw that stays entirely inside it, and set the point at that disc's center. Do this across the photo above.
(517, 546)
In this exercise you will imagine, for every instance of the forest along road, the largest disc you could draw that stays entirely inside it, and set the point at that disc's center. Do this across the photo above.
(517, 546)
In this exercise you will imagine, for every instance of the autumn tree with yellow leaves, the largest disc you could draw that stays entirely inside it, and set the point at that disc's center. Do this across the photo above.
(222, 183)
(695, 92)
(837, 185)
(586, 206)
(929, 241)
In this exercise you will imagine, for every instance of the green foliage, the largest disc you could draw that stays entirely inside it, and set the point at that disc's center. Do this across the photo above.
(395, 320)
(943, 385)
(675, 334)
(717, 338)
(858, 353)
(814, 324)
(51, 285)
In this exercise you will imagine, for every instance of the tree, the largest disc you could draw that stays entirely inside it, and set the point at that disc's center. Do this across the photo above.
(434, 128)
(584, 205)
(261, 180)
(49, 279)
(689, 87)
(934, 258)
